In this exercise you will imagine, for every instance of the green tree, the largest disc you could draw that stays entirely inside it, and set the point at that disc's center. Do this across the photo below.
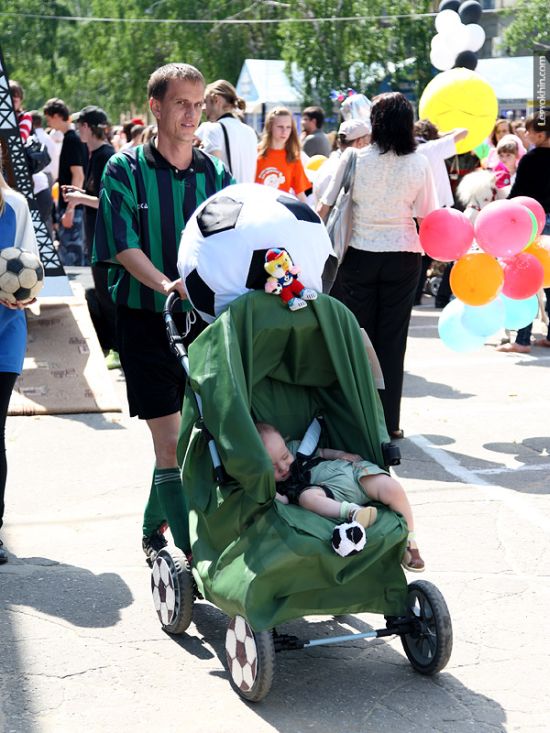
(108, 63)
(360, 54)
(531, 24)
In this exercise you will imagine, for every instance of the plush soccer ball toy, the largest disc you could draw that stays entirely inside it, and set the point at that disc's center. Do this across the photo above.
(21, 275)
(348, 539)
(224, 244)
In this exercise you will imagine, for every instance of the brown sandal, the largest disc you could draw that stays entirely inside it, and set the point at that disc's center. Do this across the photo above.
(412, 560)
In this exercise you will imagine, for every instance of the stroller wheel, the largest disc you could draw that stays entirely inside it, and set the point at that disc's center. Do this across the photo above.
(250, 659)
(433, 285)
(429, 646)
(172, 588)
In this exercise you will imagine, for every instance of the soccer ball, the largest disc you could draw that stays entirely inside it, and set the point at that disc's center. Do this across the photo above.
(21, 274)
(241, 653)
(223, 246)
(162, 588)
(348, 539)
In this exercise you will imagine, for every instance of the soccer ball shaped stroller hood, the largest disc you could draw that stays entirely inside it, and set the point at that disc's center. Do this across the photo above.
(254, 556)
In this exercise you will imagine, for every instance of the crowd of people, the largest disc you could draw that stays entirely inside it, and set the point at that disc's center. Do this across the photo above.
(124, 194)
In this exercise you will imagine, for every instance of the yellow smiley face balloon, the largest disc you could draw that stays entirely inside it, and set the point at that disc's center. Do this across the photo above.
(460, 98)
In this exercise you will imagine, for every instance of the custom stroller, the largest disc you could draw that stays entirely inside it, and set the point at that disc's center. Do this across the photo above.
(260, 561)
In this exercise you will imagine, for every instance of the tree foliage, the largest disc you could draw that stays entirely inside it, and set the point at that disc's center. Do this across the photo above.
(531, 24)
(359, 54)
(108, 63)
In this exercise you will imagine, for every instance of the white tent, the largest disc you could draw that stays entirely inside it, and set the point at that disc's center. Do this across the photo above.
(512, 80)
(263, 84)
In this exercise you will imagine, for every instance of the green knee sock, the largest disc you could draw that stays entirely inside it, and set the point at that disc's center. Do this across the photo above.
(346, 509)
(172, 502)
(153, 515)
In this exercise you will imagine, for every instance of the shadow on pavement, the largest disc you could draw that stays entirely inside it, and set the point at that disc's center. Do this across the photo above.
(415, 386)
(66, 592)
(356, 686)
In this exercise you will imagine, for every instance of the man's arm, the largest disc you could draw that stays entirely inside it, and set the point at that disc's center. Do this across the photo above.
(140, 266)
(77, 179)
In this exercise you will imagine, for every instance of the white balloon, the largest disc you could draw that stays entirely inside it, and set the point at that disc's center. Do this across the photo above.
(443, 58)
(476, 37)
(458, 41)
(446, 21)
(438, 42)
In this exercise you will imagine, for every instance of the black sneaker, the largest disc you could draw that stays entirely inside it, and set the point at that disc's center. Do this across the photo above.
(152, 545)
(3, 554)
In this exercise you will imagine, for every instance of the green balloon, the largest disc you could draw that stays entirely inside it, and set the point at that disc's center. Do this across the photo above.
(482, 150)
(534, 226)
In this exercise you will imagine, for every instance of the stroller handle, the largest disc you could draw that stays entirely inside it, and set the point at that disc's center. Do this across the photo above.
(178, 347)
(174, 337)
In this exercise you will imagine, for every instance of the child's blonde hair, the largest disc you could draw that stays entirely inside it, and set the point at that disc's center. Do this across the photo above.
(292, 145)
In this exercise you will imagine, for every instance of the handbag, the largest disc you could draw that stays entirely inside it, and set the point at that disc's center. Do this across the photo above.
(339, 220)
(37, 155)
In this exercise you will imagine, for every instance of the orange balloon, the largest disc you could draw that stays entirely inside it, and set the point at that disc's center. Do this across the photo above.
(477, 278)
(543, 256)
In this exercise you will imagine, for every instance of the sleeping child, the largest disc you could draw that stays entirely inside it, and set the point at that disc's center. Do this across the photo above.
(337, 485)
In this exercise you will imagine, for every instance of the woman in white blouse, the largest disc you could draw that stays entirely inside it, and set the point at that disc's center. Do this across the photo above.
(377, 280)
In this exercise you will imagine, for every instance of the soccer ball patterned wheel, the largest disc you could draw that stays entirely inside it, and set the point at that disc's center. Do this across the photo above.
(250, 659)
(429, 646)
(173, 591)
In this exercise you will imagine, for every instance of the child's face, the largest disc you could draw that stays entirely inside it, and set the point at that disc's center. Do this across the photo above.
(509, 160)
(281, 128)
(281, 457)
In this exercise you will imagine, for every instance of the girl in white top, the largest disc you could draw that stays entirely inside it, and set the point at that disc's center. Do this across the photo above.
(221, 106)
(377, 280)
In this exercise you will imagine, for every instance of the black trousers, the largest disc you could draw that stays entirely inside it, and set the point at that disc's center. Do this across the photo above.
(7, 383)
(379, 288)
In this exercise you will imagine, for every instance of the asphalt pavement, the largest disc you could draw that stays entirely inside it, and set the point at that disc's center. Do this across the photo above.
(81, 648)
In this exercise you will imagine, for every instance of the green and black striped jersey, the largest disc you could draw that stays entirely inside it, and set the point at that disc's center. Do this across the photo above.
(145, 204)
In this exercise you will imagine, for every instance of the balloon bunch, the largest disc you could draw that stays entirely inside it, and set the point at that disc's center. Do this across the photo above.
(495, 283)
(338, 95)
(459, 35)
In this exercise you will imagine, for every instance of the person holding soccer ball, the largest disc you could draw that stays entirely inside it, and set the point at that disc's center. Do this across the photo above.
(16, 230)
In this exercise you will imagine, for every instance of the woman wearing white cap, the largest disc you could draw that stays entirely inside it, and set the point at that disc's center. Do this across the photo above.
(351, 134)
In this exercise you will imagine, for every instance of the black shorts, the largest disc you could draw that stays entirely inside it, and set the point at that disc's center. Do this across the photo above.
(155, 378)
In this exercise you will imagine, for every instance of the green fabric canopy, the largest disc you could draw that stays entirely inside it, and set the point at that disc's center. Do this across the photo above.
(252, 555)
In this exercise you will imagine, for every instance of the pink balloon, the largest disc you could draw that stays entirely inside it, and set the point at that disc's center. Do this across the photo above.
(534, 206)
(446, 234)
(523, 276)
(503, 228)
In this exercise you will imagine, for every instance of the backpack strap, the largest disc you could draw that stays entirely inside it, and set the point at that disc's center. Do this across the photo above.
(226, 139)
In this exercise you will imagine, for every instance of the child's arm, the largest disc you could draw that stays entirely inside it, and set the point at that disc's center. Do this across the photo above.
(281, 497)
(330, 454)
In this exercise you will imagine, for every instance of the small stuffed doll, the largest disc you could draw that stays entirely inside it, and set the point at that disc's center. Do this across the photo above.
(283, 280)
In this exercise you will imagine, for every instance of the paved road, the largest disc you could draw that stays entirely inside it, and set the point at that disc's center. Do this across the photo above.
(80, 645)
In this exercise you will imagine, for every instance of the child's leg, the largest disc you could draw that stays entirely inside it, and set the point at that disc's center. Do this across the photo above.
(316, 500)
(385, 489)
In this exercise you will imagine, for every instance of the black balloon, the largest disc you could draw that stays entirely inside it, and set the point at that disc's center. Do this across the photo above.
(449, 5)
(470, 12)
(466, 60)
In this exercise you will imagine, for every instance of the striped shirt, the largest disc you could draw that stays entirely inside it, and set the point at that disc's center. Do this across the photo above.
(24, 120)
(145, 203)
